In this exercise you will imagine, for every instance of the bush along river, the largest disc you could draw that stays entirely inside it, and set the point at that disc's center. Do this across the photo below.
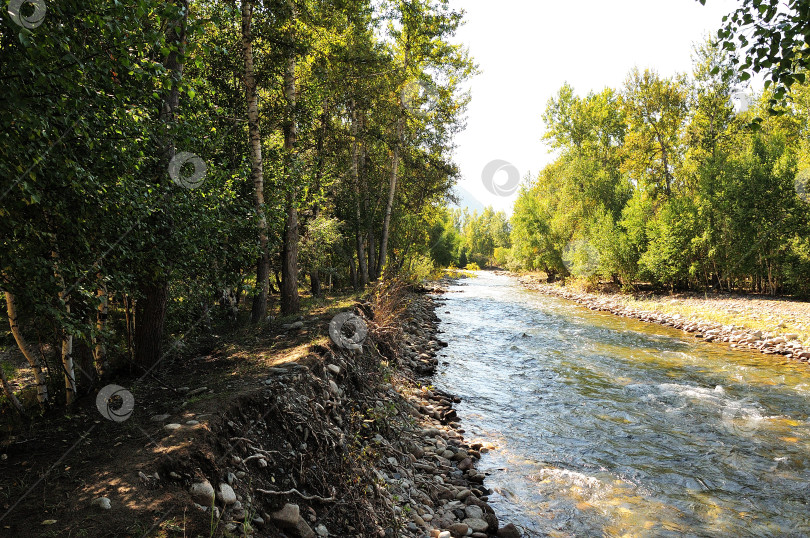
(608, 426)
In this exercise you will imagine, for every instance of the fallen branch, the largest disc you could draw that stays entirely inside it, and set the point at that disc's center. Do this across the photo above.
(296, 492)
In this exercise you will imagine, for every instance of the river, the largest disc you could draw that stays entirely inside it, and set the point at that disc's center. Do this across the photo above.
(608, 426)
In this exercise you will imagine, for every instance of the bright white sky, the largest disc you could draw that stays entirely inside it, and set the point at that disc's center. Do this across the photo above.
(527, 49)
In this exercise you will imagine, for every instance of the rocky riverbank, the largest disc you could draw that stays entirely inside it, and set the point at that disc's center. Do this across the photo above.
(289, 436)
(396, 441)
(735, 332)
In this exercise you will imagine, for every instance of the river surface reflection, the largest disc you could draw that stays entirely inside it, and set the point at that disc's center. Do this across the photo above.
(608, 426)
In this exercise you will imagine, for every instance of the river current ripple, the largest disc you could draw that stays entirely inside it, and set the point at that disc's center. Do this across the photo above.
(608, 426)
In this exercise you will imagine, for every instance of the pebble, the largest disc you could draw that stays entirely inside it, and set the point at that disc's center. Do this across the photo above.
(226, 494)
(202, 492)
(288, 516)
(508, 531)
(476, 524)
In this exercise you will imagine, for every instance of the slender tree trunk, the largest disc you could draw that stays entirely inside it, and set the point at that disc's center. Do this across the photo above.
(389, 206)
(100, 350)
(314, 273)
(290, 303)
(368, 213)
(358, 235)
(33, 360)
(130, 326)
(259, 308)
(372, 251)
(315, 282)
(353, 273)
(67, 366)
(150, 314)
(150, 308)
(10, 393)
(67, 339)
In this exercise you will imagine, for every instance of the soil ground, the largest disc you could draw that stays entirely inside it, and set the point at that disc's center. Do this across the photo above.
(51, 468)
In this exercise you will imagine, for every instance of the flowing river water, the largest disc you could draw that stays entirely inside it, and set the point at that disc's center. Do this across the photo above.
(608, 426)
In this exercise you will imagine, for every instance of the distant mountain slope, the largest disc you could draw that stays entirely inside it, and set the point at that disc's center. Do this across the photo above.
(466, 199)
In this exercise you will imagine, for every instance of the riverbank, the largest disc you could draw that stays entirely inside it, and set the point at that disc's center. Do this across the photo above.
(289, 436)
(770, 326)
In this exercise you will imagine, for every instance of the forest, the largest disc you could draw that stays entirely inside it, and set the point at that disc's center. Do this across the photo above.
(169, 165)
(685, 182)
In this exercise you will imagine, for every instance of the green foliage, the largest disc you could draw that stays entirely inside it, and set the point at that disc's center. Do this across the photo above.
(765, 36)
(665, 183)
(86, 132)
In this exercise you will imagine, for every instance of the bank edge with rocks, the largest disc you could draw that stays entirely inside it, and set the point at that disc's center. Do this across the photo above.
(738, 337)
(342, 444)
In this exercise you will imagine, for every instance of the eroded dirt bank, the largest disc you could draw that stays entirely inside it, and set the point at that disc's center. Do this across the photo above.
(330, 443)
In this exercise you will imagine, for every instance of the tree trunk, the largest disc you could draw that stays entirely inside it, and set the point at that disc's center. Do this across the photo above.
(358, 236)
(130, 327)
(259, 308)
(150, 308)
(372, 251)
(315, 282)
(33, 360)
(353, 273)
(369, 213)
(150, 314)
(99, 350)
(10, 393)
(392, 189)
(67, 339)
(290, 303)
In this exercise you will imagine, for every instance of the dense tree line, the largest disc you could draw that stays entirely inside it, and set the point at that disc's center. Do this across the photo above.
(667, 180)
(458, 237)
(157, 158)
